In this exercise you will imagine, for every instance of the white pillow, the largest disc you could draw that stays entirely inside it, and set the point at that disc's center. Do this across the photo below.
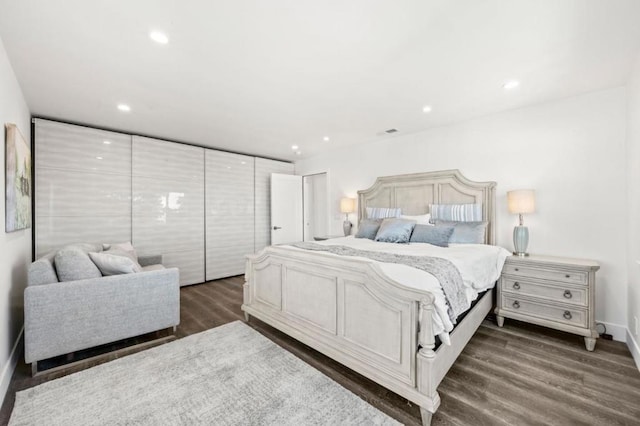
(421, 219)
(113, 264)
(122, 246)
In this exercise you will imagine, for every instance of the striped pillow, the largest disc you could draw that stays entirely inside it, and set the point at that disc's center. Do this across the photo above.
(382, 212)
(456, 212)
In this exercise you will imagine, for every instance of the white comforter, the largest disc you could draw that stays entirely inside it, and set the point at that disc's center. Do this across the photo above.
(479, 264)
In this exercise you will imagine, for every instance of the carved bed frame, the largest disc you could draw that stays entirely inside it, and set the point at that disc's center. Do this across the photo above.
(350, 311)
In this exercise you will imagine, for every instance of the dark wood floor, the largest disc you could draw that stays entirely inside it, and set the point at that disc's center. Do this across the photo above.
(516, 375)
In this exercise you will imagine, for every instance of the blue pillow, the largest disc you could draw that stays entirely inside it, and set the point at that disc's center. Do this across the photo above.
(368, 228)
(466, 232)
(436, 235)
(395, 231)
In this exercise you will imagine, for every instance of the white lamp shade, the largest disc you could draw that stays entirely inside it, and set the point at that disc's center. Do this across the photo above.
(521, 201)
(348, 205)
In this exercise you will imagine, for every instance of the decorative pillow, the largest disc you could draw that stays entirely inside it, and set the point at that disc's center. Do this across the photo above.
(128, 254)
(382, 212)
(395, 230)
(122, 246)
(42, 271)
(436, 235)
(114, 264)
(368, 228)
(456, 212)
(422, 219)
(466, 232)
(73, 263)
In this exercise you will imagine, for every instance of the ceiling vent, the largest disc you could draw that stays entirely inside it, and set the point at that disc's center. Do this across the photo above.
(387, 132)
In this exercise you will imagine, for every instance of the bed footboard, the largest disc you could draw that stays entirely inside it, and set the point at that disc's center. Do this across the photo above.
(350, 311)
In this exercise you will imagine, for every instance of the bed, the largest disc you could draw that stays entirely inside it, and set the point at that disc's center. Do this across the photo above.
(357, 311)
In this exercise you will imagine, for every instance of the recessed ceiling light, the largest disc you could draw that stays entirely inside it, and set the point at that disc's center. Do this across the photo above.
(159, 37)
(98, 158)
(298, 152)
(326, 139)
(243, 162)
(294, 147)
(124, 107)
(511, 84)
(106, 142)
(427, 109)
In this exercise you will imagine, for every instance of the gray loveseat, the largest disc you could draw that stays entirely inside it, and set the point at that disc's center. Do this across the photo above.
(64, 317)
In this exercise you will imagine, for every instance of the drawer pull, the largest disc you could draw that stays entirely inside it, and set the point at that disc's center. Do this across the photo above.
(567, 276)
(567, 315)
(516, 285)
(567, 294)
(516, 305)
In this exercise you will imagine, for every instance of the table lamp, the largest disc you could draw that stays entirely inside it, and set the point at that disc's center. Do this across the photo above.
(347, 205)
(520, 202)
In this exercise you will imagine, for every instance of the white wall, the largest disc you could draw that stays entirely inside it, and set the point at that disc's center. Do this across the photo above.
(571, 151)
(15, 248)
(633, 187)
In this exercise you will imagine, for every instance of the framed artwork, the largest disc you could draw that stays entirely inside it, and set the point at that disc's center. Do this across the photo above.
(18, 180)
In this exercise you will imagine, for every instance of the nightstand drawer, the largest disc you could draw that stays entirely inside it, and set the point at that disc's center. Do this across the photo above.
(572, 277)
(565, 294)
(540, 309)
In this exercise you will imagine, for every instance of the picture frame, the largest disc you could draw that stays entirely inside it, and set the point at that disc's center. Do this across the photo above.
(18, 182)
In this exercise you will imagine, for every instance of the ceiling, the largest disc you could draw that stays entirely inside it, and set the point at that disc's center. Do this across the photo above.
(257, 76)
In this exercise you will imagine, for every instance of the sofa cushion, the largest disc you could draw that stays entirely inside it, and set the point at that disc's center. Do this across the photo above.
(42, 271)
(156, 267)
(111, 262)
(73, 263)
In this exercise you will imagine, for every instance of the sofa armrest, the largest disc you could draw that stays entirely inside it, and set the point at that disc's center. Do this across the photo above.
(154, 259)
(69, 316)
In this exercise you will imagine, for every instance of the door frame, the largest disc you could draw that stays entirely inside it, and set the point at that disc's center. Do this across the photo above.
(328, 220)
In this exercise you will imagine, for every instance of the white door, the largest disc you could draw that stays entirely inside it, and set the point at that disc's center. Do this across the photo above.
(286, 209)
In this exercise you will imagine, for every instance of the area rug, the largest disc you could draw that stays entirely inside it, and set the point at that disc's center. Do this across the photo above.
(229, 375)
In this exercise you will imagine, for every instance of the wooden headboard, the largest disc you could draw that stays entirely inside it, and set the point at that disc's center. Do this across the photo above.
(415, 192)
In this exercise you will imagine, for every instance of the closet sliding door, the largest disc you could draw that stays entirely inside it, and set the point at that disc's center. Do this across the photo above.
(230, 212)
(168, 204)
(82, 186)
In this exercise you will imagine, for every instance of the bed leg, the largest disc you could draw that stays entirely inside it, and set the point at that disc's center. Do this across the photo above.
(34, 368)
(500, 320)
(246, 316)
(426, 416)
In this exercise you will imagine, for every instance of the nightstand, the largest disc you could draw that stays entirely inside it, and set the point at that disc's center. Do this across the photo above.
(326, 237)
(554, 292)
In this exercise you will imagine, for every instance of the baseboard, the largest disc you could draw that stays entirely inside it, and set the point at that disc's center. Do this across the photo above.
(617, 331)
(10, 366)
(634, 348)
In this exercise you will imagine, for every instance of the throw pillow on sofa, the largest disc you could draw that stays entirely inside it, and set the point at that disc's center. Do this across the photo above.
(115, 262)
(127, 247)
(73, 263)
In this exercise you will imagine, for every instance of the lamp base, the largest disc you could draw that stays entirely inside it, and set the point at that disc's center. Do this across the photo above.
(515, 253)
(346, 227)
(520, 240)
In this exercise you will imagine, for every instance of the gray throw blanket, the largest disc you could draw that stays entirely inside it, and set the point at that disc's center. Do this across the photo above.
(444, 271)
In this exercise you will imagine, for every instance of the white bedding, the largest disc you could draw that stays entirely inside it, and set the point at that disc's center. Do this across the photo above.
(479, 264)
